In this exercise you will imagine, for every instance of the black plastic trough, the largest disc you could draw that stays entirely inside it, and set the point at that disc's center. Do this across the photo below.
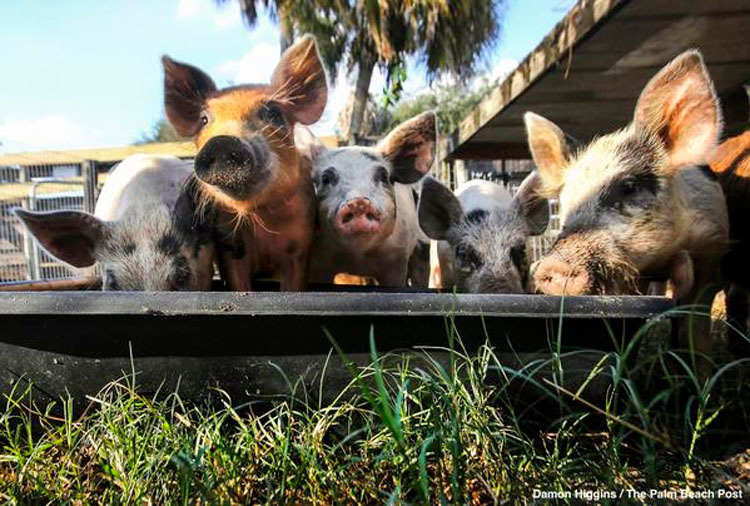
(77, 342)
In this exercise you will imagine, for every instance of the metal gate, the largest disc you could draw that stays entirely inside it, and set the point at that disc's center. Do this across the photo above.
(40, 187)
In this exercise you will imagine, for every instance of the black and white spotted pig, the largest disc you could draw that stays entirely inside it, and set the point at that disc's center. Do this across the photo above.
(144, 233)
(482, 232)
(367, 220)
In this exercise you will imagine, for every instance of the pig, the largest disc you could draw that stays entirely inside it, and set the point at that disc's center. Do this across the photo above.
(247, 166)
(482, 232)
(142, 234)
(367, 221)
(637, 203)
(731, 163)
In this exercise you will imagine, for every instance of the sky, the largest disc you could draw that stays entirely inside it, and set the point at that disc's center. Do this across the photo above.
(87, 73)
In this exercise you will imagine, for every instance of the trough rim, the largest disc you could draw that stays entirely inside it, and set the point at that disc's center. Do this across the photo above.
(234, 304)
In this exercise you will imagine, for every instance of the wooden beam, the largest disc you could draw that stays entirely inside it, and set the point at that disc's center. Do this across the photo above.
(114, 154)
(587, 73)
(111, 154)
(491, 151)
(579, 21)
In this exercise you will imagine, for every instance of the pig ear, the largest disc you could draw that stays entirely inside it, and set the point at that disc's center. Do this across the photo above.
(299, 82)
(185, 91)
(410, 147)
(308, 145)
(549, 149)
(679, 106)
(439, 210)
(71, 236)
(531, 206)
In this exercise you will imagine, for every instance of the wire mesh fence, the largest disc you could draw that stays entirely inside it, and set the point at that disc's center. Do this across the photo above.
(39, 187)
(540, 245)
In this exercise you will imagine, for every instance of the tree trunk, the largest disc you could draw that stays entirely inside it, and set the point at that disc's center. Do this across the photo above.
(286, 29)
(361, 94)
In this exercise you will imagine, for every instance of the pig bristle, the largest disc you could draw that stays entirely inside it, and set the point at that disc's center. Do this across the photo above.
(615, 276)
(204, 202)
(287, 91)
(208, 195)
(243, 213)
(282, 93)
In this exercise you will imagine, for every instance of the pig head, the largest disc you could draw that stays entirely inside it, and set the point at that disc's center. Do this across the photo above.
(633, 199)
(634, 202)
(247, 164)
(141, 235)
(483, 233)
(367, 222)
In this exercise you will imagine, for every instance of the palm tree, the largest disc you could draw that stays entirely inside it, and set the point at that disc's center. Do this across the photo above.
(448, 36)
(278, 10)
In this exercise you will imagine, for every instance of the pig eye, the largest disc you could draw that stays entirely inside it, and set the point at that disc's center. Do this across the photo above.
(468, 259)
(382, 176)
(270, 113)
(204, 118)
(518, 256)
(111, 281)
(329, 177)
(628, 187)
(625, 190)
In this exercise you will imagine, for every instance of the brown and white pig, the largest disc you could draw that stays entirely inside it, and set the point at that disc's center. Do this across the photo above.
(482, 233)
(731, 164)
(367, 220)
(142, 234)
(635, 203)
(247, 164)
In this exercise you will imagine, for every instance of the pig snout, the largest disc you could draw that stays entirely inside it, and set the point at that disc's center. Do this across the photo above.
(555, 276)
(236, 167)
(496, 284)
(358, 216)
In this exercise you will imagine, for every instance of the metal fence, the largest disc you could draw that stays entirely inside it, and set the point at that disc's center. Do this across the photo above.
(541, 244)
(40, 187)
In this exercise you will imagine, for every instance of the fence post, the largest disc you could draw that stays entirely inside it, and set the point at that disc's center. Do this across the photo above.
(89, 173)
(30, 249)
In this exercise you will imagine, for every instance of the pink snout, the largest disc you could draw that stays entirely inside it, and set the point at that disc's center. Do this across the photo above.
(555, 276)
(358, 216)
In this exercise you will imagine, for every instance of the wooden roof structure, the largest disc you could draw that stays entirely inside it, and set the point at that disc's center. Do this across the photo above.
(112, 155)
(587, 73)
(103, 155)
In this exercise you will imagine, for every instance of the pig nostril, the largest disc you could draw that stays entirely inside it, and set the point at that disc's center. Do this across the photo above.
(347, 218)
(371, 217)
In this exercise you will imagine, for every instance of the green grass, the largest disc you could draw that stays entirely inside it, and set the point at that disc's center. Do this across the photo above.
(436, 426)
